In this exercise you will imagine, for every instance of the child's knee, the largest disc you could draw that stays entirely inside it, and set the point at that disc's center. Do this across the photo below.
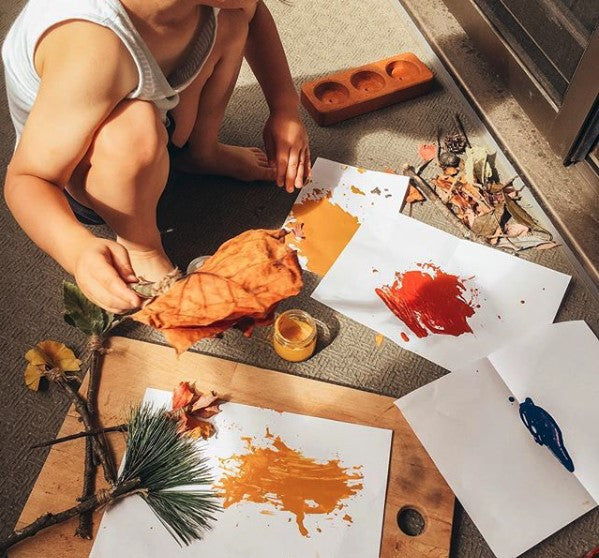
(134, 134)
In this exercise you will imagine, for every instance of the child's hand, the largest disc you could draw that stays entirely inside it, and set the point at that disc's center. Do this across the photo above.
(102, 272)
(286, 144)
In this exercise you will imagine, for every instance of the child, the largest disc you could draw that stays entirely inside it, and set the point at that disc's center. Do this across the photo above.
(96, 90)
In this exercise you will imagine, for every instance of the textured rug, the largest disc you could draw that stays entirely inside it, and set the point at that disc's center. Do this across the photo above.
(198, 213)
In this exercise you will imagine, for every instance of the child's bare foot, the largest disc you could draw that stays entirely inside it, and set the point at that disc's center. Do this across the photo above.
(151, 265)
(243, 163)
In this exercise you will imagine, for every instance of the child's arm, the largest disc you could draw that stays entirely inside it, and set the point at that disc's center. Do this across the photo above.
(285, 138)
(83, 77)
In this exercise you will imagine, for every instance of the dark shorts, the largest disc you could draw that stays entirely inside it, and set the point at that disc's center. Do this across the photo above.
(88, 216)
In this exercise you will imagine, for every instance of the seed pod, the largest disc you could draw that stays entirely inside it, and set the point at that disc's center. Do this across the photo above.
(456, 143)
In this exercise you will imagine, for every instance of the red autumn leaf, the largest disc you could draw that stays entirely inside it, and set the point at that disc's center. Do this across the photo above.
(427, 151)
(195, 428)
(414, 195)
(183, 394)
(240, 285)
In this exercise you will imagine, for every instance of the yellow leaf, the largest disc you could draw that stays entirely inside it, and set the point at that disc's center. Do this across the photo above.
(50, 354)
(33, 376)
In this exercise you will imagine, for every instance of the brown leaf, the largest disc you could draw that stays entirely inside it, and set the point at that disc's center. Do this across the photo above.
(451, 171)
(194, 427)
(243, 281)
(414, 195)
(514, 229)
(522, 216)
(546, 245)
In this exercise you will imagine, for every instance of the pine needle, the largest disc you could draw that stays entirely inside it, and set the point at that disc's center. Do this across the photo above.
(166, 462)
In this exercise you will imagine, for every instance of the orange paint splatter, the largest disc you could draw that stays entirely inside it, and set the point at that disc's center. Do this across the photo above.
(327, 228)
(430, 301)
(378, 339)
(404, 336)
(361, 170)
(287, 480)
(348, 518)
(268, 433)
(357, 190)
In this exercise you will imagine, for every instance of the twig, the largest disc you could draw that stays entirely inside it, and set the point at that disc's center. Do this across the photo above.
(118, 428)
(96, 501)
(462, 129)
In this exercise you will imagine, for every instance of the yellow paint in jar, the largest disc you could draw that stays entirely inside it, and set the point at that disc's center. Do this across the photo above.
(294, 336)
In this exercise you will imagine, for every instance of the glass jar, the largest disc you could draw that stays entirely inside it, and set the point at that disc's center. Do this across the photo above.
(294, 337)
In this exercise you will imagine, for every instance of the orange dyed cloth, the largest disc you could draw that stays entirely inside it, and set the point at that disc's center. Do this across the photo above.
(240, 285)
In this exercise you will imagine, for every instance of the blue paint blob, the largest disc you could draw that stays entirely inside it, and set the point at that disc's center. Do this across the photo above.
(545, 431)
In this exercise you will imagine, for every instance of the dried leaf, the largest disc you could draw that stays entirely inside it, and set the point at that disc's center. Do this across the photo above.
(479, 164)
(84, 314)
(240, 284)
(485, 225)
(427, 151)
(414, 195)
(515, 229)
(522, 216)
(451, 171)
(546, 245)
(194, 407)
(48, 355)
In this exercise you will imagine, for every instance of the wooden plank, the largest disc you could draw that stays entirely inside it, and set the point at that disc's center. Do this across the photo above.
(132, 366)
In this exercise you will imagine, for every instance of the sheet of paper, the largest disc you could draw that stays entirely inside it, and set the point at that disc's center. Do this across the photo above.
(244, 529)
(451, 301)
(329, 210)
(514, 489)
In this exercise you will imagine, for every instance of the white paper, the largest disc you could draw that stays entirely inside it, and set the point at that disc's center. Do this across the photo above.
(513, 294)
(357, 191)
(515, 490)
(131, 530)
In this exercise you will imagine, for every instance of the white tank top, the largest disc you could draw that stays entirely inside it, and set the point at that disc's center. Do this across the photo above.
(22, 80)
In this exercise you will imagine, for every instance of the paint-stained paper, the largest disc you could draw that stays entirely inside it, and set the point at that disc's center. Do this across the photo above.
(447, 299)
(517, 491)
(356, 456)
(329, 210)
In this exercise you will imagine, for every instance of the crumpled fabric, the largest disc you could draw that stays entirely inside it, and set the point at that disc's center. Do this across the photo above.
(240, 285)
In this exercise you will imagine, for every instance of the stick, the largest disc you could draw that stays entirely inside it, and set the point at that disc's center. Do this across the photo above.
(462, 129)
(84, 529)
(118, 428)
(96, 501)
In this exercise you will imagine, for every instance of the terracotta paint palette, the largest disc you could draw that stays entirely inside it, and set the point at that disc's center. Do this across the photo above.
(353, 92)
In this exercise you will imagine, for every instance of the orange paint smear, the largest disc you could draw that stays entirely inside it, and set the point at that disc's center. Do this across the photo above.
(378, 339)
(430, 301)
(357, 190)
(284, 478)
(327, 228)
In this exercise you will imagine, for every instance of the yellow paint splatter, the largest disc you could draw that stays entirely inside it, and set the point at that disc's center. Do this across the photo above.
(287, 480)
(357, 190)
(361, 170)
(327, 229)
(378, 339)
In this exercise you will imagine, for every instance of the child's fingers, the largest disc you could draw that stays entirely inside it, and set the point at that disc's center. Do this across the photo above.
(108, 279)
(269, 147)
(307, 164)
(120, 259)
(299, 179)
(292, 167)
(282, 160)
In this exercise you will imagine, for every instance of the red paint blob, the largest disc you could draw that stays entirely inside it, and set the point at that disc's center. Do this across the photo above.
(429, 301)
(404, 337)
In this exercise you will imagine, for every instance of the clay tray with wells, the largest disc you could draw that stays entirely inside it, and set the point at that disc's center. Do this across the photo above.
(419, 504)
(360, 90)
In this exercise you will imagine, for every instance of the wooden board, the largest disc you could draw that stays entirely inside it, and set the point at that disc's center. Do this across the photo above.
(132, 366)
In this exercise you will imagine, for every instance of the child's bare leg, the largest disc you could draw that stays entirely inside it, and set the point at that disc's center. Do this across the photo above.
(200, 113)
(122, 178)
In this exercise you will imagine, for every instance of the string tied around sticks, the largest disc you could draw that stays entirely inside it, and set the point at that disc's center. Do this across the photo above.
(96, 344)
(104, 496)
